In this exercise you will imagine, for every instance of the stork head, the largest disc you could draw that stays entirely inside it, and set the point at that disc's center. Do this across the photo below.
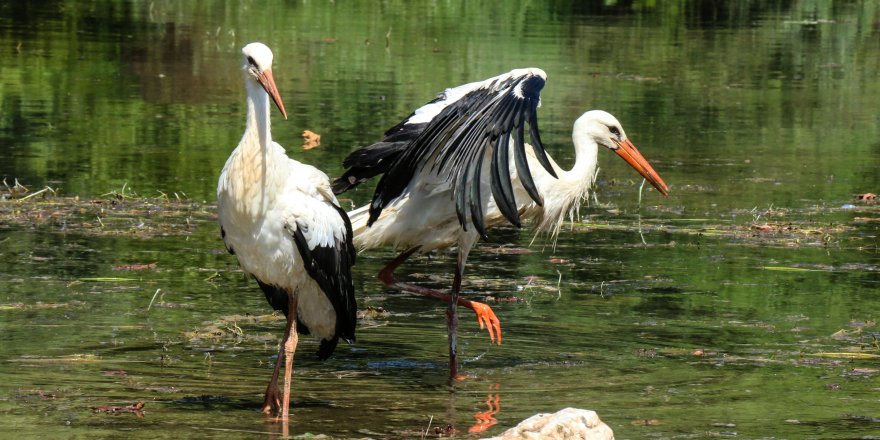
(257, 66)
(605, 130)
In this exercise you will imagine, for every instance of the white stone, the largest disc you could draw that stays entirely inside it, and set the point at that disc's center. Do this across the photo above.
(568, 423)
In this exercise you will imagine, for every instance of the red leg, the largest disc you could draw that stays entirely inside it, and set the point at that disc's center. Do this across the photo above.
(289, 350)
(452, 321)
(485, 316)
(272, 403)
(386, 275)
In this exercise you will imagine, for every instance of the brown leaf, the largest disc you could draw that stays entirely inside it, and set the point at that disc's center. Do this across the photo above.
(311, 140)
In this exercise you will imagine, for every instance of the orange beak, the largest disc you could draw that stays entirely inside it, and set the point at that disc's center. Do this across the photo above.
(631, 155)
(268, 82)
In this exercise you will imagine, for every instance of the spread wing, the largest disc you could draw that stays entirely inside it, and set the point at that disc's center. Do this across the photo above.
(450, 137)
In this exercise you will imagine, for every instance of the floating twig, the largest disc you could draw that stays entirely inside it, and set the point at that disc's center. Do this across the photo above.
(559, 286)
(36, 193)
(641, 235)
(153, 299)
(432, 417)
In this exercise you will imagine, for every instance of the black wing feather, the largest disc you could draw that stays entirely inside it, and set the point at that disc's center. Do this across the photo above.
(330, 267)
(537, 144)
(502, 187)
(522, 166)
(477, 202)
(368, 162)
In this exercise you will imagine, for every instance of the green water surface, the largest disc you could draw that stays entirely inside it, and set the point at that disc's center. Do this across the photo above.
(744, 305)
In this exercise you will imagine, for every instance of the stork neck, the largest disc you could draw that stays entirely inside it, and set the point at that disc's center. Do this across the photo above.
(586, 155)
(258, 123)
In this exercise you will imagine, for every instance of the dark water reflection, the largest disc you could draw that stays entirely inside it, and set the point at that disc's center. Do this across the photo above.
(754, 112)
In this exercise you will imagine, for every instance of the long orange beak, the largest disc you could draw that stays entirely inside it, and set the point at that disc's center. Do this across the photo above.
(268, 82)
(631, 155)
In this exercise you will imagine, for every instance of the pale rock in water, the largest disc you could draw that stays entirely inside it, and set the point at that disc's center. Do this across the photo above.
(568, 423)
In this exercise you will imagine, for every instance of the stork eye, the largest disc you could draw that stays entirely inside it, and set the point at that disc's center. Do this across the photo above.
(615, 131)
(251, 61)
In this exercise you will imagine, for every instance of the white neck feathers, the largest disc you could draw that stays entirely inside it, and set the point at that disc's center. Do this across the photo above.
(258, 121)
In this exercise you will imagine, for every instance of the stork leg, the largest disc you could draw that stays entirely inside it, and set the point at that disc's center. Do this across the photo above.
(452, 319)
(485, 316)
(273, 401)
(289, 349)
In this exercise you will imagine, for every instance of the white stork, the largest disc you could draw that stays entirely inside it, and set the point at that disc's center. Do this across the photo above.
(282, 221)
(447, 176)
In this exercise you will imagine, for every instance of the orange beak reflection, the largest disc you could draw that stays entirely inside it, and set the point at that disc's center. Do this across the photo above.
(268, 82)
(631, 155)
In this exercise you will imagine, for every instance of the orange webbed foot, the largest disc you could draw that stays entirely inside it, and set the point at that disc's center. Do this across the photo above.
(487, 319)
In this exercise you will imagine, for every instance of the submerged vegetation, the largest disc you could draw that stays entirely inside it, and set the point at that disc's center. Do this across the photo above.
(125, 213)
(119, 213)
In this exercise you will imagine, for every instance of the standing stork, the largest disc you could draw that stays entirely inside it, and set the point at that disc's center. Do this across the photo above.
(282, 221)
(447, 176)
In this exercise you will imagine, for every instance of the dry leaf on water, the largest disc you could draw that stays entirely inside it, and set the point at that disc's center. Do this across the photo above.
(311, 140)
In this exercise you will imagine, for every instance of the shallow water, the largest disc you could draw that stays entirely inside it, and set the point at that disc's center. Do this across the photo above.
(744, 305)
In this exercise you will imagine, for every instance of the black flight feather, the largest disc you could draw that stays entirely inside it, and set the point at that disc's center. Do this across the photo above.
(538, 147)
(502, 188)
(522, 166)
(330, 267)
(477, 202)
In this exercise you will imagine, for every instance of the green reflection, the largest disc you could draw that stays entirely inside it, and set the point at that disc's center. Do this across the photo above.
(753, 111)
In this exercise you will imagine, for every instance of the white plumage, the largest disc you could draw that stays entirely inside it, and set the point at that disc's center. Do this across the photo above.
(282, 221)
(460, 165)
